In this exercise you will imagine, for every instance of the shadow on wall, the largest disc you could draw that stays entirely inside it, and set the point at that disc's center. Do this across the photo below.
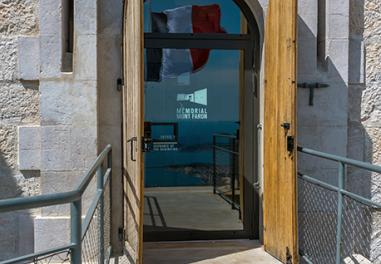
(327, 128)
(16, 228)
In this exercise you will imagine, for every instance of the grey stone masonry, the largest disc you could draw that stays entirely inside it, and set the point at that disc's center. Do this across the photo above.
(19, 108)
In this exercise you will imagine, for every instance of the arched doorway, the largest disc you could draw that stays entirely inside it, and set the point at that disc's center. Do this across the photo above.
(137, 139)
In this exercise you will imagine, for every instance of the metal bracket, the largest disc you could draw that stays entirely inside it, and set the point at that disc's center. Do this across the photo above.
(286, 126)
(312, 87)
(290, 144)
(131, 141)
(119, 84)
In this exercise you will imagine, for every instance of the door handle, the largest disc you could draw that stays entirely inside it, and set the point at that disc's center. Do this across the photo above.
(131, 141)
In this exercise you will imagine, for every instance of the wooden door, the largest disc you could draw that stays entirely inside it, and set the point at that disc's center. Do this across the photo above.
(279, 198)
(133, 128)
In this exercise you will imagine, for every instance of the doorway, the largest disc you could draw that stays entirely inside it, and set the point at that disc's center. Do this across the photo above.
(200, 107)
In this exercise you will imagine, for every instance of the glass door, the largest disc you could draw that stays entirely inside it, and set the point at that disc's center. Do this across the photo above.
(196, 85)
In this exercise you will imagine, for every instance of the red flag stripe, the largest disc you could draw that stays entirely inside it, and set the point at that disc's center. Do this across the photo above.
(205, 19)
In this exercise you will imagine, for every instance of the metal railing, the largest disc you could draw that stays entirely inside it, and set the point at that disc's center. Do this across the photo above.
(343, 204)
(226, 168)
(95, 227)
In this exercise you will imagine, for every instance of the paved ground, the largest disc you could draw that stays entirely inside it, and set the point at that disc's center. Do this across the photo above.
(206, 252)
(191, 208)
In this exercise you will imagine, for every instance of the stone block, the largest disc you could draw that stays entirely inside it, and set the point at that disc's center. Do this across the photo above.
(330, 106)
(357, 61)
(19, 17)
(354, 102)
(110, 17)
(55, 148)
(85, 58)
(8, 240)
(371, 105)
(307, 16)
(29, 58)
(29, 148)
(19, 103)
(8, 58)
(25, 234)
(85, 17)
(51, 17)
(338, 27)
(307, 59)
(64, 181)
(338, 7)
(68, 103)
(67, 148)
(330, 139)
(51, 56)
(83, 143)
(337, 51)
(51, 232)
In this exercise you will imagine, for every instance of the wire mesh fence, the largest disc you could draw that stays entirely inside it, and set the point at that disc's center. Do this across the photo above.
(54, 258)
(96, 241)
(349, 233)
(317, 222)
(90, 236)
(318, 226)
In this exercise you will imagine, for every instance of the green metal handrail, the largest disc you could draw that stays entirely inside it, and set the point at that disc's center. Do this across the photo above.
(78, 229)
(340, 189)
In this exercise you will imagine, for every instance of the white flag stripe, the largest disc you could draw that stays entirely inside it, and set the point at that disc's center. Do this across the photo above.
(179, 20)
(177, 61)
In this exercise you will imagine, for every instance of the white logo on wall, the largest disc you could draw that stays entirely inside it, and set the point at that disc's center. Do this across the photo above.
(198, 97)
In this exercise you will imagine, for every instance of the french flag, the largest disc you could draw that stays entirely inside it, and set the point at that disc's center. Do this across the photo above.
(170, 63)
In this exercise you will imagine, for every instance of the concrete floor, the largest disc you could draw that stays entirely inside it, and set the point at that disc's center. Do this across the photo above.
(188, 208)
(206, 252)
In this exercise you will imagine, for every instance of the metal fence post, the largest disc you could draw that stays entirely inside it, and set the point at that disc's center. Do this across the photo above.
(75, 225)
(214, 165)
(233, 171)
(101, 215)
(109, 165)
(339, 211)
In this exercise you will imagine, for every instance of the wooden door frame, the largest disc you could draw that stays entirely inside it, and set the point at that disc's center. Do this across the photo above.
(257, 64)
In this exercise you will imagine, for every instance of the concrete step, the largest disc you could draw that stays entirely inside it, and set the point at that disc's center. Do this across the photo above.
(206, 252)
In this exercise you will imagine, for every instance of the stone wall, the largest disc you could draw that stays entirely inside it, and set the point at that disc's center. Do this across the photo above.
(371, 96)
(19, 106)
(48, 117)
(68, 134)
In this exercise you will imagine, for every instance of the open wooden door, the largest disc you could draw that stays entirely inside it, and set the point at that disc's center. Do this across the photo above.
(279, 198)
(133, 128)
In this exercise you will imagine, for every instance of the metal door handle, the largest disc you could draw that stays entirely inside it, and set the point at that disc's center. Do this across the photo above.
(131, 140)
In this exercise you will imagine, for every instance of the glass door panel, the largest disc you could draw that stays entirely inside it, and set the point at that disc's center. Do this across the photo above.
(192, 117)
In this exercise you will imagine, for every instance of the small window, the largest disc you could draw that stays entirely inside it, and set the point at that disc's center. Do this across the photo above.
(68, 35)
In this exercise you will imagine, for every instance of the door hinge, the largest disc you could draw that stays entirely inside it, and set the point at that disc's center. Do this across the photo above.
(119, 84)
(121, 233)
